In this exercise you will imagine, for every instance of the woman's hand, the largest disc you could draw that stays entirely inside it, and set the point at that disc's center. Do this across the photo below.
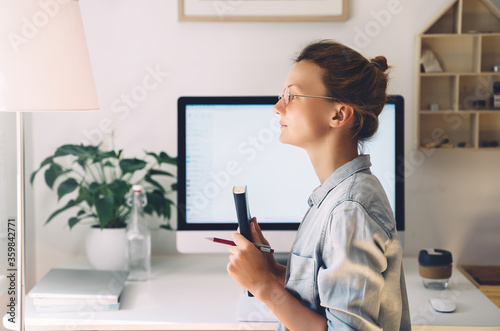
(256, 233)
(251, 268)
(259, 273)
(248, 266)
(277, 269)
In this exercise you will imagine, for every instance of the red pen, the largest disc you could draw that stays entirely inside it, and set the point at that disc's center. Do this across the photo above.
(262, 248)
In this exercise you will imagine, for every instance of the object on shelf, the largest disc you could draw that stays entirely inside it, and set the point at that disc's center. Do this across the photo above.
(464, 144)
(430, 62)
(440, 143)
(493, 143)
(434, 266)
(434, 106)
(496, 68)
(496, 94)
(479, 104)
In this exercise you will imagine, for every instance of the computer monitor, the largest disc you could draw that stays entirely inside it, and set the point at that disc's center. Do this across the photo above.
(231, 141)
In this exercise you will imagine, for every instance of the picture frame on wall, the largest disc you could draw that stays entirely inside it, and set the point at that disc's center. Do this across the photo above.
(263, 10)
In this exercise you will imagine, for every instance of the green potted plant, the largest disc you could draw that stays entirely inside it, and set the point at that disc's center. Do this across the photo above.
(99, 182)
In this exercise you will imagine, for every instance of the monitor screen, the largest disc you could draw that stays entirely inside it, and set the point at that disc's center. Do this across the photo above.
(231, 141)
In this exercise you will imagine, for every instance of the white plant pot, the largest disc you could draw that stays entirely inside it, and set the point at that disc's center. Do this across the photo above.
(106, 248)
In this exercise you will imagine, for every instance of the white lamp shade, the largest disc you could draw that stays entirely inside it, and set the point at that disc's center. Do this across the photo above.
(44, 60)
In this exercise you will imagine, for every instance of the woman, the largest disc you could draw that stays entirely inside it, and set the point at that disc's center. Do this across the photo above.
(344, 270)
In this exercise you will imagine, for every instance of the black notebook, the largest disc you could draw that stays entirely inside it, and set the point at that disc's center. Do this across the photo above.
(243, 213)
(242, 210)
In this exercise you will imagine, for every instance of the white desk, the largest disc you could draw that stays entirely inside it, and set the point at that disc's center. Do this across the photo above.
(194, 292)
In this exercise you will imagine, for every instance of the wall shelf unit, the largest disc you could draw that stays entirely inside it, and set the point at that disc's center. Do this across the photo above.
(456, 105)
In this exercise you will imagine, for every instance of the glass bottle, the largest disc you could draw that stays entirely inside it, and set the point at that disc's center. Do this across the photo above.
(138, 237)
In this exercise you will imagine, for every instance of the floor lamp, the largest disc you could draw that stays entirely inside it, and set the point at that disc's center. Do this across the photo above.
(44, 66)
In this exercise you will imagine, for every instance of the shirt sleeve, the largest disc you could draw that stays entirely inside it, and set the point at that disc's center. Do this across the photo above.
(350, 279)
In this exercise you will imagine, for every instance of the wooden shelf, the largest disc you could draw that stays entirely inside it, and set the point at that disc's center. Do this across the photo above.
(486, 278)
(465, 38)
(437, 112)
(438, 74)
(451, 111)
(471, 149)
(477, 17)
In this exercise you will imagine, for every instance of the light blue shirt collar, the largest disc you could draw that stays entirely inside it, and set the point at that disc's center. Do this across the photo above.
(360, 163)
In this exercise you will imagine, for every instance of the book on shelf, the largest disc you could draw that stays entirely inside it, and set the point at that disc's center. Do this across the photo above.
(78, 289)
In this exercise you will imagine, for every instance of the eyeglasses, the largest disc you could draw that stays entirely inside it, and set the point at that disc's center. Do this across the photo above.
(285, 94)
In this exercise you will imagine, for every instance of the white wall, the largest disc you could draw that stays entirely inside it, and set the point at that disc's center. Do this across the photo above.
(452, 197)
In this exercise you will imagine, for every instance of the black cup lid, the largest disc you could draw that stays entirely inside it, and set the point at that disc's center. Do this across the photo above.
(434, 257)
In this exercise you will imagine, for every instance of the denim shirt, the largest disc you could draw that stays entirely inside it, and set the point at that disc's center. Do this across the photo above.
(345, 262)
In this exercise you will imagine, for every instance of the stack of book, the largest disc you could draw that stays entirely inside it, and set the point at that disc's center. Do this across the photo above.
(74, 290)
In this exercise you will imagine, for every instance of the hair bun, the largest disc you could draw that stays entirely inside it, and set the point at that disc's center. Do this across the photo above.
(350, 78)
(380, 62)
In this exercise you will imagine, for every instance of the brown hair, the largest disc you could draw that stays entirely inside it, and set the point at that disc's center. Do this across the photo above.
(352, 79)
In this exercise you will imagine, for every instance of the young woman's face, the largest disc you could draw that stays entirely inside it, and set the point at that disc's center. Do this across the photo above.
(304, 121)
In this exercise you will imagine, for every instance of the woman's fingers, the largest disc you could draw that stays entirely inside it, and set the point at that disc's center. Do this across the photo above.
(256, 236)
(262, 239)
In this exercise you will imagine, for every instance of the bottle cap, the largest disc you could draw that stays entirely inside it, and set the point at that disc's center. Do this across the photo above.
(137, 188)
(434, 258)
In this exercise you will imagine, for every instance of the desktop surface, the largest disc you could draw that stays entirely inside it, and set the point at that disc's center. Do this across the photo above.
(185, 292)
(194, 292)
